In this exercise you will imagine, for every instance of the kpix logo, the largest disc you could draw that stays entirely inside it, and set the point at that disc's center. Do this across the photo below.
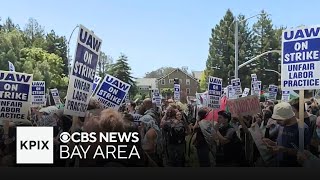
(34, 145)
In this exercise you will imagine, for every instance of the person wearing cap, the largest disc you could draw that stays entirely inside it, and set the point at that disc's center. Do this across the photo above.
(309, 119)
(288, 136)
(46, 116)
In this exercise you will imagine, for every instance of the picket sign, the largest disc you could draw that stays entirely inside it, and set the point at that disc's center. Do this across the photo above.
(96, 82)
(254, 80)
(202, 99)
(245, 92)
(11, 66)
(38, 93)
(176, 92)
(111, 92)
(156, 98)
(273, 91)
(300, 65)
(285, 96)
(83, 72)
(56, 97)
(231, 92)
(244, 106)
(15, 96)
(214, 92)
(236, 84)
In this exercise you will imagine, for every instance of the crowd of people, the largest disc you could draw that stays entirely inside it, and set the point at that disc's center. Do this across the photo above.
(170, 135)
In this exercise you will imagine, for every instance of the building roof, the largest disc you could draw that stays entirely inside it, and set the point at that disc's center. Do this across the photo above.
(197, 74)
(147, 82)
(178, 69)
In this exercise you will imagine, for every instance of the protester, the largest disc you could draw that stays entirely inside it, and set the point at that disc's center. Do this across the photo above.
(307, 159)
(176, 129)
(288, 136)
(309, 119)
(229, 149)
(148, 111)
(200, 142)
(151, 139)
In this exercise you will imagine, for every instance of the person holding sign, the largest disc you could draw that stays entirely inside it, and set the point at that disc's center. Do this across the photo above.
(288, 136)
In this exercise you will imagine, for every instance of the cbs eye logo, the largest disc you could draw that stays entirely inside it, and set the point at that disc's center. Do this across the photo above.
(64, 137)
(78, 137)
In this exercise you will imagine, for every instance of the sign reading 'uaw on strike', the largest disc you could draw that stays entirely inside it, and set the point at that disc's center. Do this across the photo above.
(83, 73)
(15, 95)
(112, 92)
(300, 58)
(214, 92)
(38, 93)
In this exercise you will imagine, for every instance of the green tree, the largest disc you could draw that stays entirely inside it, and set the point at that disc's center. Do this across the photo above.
(57, 45)
(9, 25)
(34, 34)
(266, 38)
(221, 49)
(11, 42)
(121, 70)
(104, 64)
(220, 61)
(159, 72)
(44, 66)
(203, 82)
(246, 51)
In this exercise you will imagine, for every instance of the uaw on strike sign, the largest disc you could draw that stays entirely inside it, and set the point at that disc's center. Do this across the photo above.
(38, 93)
(15, 95)
(83, 73)
(300, 58)
(112, 92)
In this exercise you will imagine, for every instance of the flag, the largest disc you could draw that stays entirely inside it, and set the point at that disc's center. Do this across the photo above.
(11, 66)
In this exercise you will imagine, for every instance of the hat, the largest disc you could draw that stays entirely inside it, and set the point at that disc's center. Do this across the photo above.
(49, 109)
(282, 111)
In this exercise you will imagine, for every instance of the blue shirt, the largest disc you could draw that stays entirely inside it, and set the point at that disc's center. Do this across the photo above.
(290, 134)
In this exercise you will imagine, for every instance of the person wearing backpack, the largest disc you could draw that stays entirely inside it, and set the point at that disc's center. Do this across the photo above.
(176, 129)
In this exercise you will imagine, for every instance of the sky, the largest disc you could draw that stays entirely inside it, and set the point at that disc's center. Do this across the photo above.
(153, 34)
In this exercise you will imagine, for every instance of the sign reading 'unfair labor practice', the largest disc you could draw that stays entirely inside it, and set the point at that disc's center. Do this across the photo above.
(112, 92)
(15, 95)
(38, 93)
(214, 92)
(300, 58)
(83, 73)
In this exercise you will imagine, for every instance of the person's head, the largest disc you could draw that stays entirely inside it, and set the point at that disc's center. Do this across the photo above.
(224, 117)
(283, 113)
(267, 113)
(94, 104)
(179, 115)
(128, 117)
(147, 104)
(202, 113)
(111, 121)
(295, 106)
(171, 113)
(131, 106)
